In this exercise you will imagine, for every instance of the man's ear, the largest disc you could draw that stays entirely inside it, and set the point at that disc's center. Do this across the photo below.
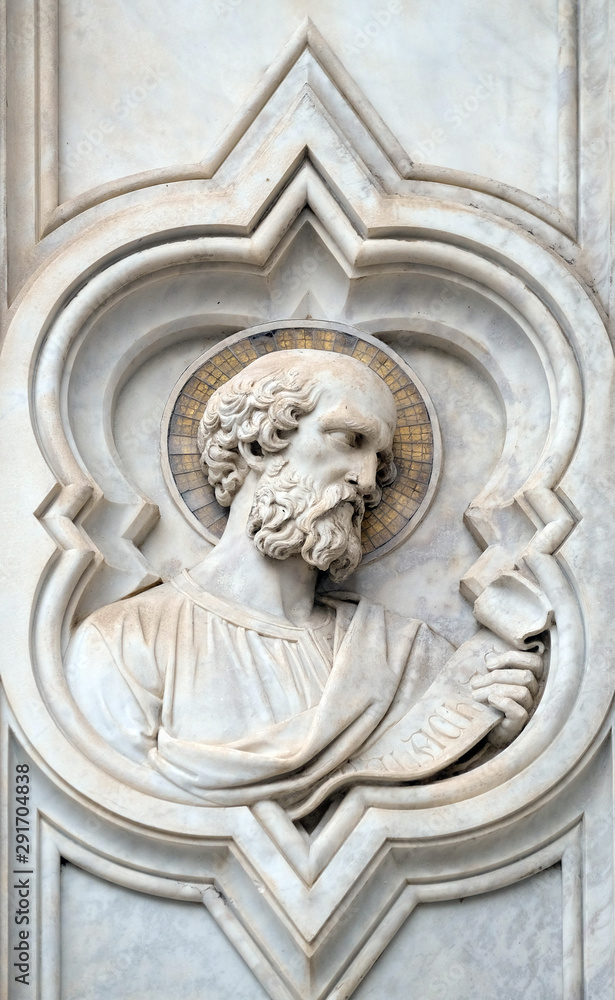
(252, 454)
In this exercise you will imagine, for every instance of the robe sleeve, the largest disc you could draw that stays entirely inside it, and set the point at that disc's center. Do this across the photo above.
(113, 668)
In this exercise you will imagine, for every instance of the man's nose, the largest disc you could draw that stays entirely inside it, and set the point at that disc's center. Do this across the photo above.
(363, 476)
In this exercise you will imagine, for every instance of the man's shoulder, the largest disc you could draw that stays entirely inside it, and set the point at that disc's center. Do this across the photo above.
(145, 608)
(126, 635)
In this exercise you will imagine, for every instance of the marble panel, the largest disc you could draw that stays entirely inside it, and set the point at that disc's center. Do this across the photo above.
(481, 85)
(118, 944)
(277, 719)
(504, 944)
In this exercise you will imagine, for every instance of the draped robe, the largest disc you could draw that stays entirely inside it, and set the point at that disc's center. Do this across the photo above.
(234, 705)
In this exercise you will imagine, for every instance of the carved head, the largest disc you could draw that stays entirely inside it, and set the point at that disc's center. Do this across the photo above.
(317, 427)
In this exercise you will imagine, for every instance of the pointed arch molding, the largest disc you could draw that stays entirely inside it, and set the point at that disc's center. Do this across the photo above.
(308, 70)
(322, 971)
(507, 270)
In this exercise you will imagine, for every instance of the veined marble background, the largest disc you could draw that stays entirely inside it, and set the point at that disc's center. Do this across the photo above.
(480, 82)
(437, 174)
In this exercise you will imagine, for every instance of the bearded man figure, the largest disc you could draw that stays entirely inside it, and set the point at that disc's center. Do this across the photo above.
(236, 681)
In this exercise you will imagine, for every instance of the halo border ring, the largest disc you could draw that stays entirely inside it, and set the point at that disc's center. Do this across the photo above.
(279, 326)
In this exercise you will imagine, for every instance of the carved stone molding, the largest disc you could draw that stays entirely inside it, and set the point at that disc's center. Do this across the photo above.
(308, 212)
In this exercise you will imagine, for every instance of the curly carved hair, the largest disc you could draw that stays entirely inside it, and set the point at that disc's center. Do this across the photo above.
(245, 412)
(254, 413)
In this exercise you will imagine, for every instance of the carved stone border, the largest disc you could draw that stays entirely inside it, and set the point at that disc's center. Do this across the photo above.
(250, 894)
(45, 325)
(308, 39)
(583, 148)
(55, 846)
(368, 229)
(415, 517)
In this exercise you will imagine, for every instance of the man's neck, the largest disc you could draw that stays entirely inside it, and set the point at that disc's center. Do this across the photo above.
(238, 572)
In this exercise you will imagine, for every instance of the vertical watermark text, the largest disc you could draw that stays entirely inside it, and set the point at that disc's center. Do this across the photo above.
(23, 874)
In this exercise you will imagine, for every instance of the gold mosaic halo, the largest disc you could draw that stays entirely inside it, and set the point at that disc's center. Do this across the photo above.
(416, 445)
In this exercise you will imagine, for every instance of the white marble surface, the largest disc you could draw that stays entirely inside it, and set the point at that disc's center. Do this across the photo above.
(118, 944)
(489, 106)
(234, 165)
(505, 944)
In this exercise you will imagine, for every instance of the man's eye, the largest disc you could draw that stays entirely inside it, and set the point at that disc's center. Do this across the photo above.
(349, 438)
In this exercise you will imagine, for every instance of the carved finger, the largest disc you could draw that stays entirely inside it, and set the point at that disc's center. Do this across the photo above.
(516, 677)
(519, 696)
(515, 717)
(513, 711)
(516, 658)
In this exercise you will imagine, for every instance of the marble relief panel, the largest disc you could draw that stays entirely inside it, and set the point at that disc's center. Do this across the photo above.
(306, 392)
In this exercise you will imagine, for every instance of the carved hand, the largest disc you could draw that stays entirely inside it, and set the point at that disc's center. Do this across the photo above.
(510, 685)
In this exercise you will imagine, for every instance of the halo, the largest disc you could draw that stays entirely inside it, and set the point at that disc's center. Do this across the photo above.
(416, 445)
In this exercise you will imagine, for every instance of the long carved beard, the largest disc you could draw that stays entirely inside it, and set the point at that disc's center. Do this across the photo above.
(290, 515)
